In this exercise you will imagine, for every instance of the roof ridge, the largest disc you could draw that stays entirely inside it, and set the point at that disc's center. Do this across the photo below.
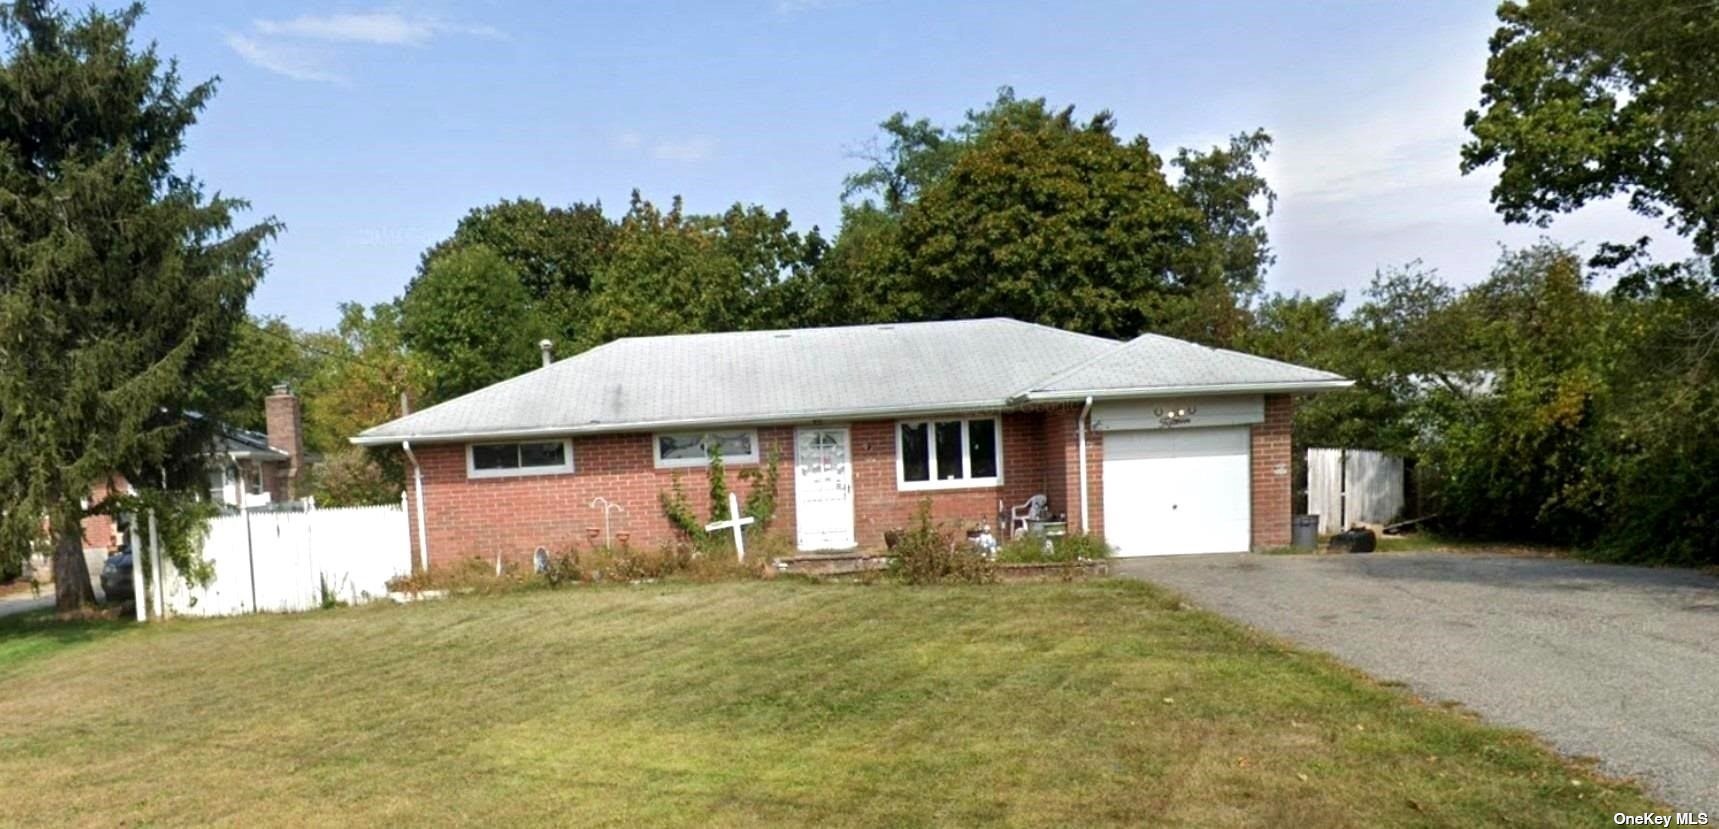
(1081, 334)
(1058, 375)
(1254, 357)
(818, 328)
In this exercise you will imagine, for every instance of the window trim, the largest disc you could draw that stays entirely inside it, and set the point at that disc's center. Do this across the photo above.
(564, 468)
(700, 462)
(965, 482)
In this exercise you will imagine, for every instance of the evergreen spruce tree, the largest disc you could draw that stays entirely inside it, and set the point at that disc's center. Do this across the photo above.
(120, 280)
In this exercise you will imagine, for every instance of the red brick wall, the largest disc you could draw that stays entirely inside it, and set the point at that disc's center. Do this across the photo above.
(1271, 465)
(880, 506)
(1062, 467)
(513, 516)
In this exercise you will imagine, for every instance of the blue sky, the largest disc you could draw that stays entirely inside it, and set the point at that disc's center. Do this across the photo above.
(370, 129)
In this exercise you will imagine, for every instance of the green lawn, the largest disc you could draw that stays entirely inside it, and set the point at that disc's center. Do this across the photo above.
(736, 704)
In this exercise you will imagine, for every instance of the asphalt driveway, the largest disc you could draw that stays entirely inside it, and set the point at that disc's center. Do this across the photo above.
(1618, 663)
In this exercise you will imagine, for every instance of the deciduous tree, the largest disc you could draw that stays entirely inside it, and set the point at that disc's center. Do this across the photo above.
(1587, 99)
(471, 321)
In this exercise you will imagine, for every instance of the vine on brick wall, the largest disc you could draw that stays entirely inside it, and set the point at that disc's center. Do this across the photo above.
(763, 484)
(761, 499)
(678, 512)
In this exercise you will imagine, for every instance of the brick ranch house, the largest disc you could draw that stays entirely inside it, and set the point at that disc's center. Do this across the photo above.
(1186, 448)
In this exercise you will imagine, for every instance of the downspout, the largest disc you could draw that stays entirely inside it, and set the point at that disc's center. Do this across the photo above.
(418, 486)
(1080, 433)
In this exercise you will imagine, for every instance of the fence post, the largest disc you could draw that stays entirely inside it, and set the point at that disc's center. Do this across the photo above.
(139, 599)
(160, 592)
(250, 556)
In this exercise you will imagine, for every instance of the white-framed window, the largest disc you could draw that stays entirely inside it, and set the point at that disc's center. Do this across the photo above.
(529, 457)
(673, 450)
(948, 453)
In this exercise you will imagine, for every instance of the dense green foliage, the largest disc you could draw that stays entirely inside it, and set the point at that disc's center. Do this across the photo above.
(1538, 408)
(1586, 99)
(121, 282)
(1026, 211)
(471, 320)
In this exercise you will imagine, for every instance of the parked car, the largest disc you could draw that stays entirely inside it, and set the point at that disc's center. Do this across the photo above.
(116, 577)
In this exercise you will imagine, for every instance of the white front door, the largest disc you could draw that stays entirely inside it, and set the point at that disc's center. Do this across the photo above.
(1170, 491)
(823, 489)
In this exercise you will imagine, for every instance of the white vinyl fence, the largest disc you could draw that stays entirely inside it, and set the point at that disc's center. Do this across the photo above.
(281, 561)
(1353, 486)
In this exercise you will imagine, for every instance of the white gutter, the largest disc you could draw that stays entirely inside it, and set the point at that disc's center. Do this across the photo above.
(418, 486)
(966, 407)
(1080, 432)
(1182, 391)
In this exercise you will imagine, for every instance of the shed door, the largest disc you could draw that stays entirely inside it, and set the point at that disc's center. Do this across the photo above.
(1173, 491)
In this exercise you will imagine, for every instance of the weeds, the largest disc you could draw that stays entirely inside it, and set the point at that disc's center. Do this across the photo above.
(1067, 549)
(926, 554)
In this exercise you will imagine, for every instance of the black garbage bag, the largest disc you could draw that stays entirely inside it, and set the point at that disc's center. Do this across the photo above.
(1354, 540)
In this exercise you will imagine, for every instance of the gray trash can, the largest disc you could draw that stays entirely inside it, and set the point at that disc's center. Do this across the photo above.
(1304, 532)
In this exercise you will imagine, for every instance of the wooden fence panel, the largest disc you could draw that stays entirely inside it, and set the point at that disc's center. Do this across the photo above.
(1353, 486)
(1325, 488)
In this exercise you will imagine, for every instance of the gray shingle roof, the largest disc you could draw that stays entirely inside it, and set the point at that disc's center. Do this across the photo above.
(1153, 362)
(803, 374)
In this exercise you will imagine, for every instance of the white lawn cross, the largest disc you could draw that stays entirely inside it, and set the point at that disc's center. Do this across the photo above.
(735, 522)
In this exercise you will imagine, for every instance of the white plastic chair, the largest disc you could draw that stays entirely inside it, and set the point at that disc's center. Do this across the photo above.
(1037, 508)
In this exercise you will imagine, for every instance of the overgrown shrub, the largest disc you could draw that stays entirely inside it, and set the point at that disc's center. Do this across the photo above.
(926, 554)
(351, 477)
(1063, 549)
(473, 575)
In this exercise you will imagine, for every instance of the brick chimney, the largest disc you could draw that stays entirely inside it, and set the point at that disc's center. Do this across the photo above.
(286, 432)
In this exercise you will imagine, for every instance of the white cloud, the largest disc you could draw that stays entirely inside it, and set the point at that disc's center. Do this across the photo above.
(282, 59)
(626, 140)
(379, 28)
(290, 47)
(697, 148)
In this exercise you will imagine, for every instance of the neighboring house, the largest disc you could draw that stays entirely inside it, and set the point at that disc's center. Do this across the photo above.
(246, 469)
(1186, 447)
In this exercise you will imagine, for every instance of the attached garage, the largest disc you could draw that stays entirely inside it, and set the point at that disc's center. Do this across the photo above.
(1176, 475)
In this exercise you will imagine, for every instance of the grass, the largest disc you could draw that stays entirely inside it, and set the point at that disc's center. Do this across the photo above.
(35, 635)
(736, 704)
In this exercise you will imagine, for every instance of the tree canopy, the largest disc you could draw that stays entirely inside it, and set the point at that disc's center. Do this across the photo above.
(471, 320)
(1587, 99)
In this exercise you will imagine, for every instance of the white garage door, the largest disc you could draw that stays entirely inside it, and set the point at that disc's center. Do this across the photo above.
(1172, 491)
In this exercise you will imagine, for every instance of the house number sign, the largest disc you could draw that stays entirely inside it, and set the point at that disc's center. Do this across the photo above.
(1174, 417)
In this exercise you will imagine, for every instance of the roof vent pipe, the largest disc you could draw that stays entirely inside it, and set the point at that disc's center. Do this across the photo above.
(548, 348)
